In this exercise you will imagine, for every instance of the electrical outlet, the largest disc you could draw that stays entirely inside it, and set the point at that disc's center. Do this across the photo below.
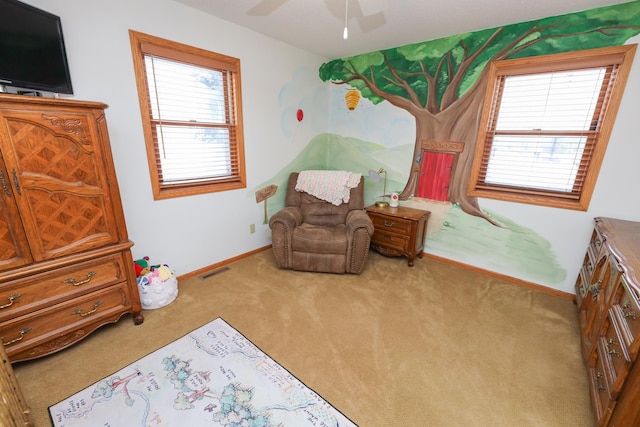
(252, 228)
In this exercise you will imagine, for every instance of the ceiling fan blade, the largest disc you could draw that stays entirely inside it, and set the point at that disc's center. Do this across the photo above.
(265, 7)
(371, 7)
(372, 22)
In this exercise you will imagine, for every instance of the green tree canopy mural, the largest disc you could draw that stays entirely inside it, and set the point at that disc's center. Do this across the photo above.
(442, 83)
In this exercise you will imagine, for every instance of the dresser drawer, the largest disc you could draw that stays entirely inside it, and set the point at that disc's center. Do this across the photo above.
(63, 322)
(392, 224)
(390, 240)
(595, 244)
(626, 308)
(614, 277)
(603, 404)
(613, 353)
(582, 283)
(46, 289)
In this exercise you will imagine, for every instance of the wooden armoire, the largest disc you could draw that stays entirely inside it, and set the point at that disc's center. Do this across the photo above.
(65, 257)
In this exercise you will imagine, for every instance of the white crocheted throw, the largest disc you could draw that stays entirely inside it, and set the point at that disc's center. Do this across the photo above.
(331, 186)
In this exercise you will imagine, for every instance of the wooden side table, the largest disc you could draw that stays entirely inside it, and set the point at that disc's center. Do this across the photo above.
(398, 231)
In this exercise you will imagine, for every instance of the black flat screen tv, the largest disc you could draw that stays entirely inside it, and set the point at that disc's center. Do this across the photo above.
(32, 52)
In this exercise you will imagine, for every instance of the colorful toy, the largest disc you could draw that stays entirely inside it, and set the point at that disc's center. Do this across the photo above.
(142, 266)
(164, 272)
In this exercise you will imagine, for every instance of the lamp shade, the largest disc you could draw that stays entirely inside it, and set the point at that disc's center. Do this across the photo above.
(375, 176)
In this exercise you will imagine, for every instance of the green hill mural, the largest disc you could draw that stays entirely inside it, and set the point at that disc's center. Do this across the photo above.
(514, 249)
(333, 152)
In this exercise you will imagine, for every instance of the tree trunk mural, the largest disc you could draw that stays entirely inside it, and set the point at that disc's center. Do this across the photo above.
(442, 83)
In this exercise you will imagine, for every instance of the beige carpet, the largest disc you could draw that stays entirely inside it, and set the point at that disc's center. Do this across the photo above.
(432, 345)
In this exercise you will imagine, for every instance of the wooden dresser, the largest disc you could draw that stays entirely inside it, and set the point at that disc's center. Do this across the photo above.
(608, 295)
(398, 231)
(65, 261)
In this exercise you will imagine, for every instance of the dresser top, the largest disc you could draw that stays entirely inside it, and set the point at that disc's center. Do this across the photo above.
(12, 101)
(623, 238)
(398, 212)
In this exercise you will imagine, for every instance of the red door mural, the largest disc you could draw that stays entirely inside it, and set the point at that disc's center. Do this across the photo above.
(437, 166)
(435, 175)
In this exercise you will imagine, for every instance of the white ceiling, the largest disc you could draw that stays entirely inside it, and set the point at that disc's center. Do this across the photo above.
(316, 25)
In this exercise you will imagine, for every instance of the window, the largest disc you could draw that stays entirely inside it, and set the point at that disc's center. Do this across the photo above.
(192, 117)
(546, 124)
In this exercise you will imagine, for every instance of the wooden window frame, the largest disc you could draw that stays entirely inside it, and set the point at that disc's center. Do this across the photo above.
(620, 56)
(145, 44)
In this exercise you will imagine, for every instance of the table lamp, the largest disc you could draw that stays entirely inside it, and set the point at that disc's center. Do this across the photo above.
(375, 175)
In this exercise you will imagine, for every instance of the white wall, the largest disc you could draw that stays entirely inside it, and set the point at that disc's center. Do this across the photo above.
(188, 233)
(193, 232)
(567, 232)
(616, 193)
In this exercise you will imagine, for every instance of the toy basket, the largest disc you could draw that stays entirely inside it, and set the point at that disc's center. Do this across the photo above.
(158, 295)
(157, 285)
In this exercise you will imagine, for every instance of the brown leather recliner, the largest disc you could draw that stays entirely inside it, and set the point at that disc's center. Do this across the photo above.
(310, 234)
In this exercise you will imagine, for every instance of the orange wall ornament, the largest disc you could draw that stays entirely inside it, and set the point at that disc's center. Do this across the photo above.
(352, 97)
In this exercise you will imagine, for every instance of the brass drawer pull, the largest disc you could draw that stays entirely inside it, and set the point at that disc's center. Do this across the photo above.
(16, 181)
(595, 290)
(614, 351)
(11, 299)
(95, 308)
(72, 281)
(22, 333)
(5, 187)
(599, 386)
(389, 224)
(631, 314)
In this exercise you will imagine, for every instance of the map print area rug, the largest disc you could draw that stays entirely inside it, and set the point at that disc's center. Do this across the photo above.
(213, 376)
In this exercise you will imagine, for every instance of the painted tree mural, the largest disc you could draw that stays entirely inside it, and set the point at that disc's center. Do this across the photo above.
(442, 83)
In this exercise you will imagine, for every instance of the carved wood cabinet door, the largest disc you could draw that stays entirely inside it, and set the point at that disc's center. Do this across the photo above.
(55, 167)
(14, 247)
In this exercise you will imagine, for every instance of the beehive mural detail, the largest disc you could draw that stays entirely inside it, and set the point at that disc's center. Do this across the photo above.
(352, 98)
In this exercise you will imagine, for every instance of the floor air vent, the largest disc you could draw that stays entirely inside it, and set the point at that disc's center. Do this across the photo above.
(213, 272)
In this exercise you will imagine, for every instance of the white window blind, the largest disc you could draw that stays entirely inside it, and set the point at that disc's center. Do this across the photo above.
(191, 107)
(192, 121)
(544, 127)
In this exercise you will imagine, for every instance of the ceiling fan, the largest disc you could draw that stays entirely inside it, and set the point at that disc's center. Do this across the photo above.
(369, 13)
(265, 7)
